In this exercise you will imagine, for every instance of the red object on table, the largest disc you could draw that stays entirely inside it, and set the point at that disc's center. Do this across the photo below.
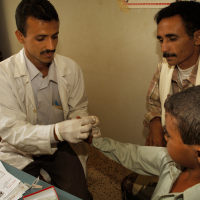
(38, 193)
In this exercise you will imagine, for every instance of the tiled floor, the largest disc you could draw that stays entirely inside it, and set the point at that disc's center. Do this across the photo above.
(104, 176)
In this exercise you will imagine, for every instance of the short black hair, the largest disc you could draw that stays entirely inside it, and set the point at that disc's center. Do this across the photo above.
(39, 9)
(185, 107)
(188, 11)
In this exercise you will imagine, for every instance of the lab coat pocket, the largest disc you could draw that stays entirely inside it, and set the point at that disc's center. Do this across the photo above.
(56, 115)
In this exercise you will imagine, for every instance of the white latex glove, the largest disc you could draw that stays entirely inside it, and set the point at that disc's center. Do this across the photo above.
(75, 130)
(95, 128)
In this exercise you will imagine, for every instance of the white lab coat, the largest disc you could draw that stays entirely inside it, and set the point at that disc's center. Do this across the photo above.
(21, 137)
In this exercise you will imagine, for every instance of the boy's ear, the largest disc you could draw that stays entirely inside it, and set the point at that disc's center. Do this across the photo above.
(197, 37)
(198, 154)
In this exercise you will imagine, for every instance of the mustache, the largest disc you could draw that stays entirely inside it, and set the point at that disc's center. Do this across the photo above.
(47, 51)
(166, 55)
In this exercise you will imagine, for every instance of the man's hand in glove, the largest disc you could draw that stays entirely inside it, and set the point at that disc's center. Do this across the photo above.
(75, 130)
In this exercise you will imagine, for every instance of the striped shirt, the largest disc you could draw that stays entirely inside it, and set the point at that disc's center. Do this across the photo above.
(153, 97)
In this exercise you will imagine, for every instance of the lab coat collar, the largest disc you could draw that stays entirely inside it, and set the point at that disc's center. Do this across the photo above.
(33, 71)
(20, 67)
(21, 70)
(60, 64)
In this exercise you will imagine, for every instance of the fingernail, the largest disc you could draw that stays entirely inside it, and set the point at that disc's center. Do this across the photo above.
(94, 119)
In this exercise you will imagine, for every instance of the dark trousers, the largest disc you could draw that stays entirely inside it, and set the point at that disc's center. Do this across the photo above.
(65, 170)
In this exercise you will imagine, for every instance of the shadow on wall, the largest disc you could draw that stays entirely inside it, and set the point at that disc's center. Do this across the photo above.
(4, 42)
(145, 131)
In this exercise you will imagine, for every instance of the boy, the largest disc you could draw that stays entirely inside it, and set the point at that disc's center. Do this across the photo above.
(178, 165)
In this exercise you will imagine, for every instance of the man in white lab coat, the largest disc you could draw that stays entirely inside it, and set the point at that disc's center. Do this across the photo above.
(39, 90)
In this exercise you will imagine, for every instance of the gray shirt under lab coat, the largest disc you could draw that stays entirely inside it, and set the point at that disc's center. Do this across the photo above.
(147, 160)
